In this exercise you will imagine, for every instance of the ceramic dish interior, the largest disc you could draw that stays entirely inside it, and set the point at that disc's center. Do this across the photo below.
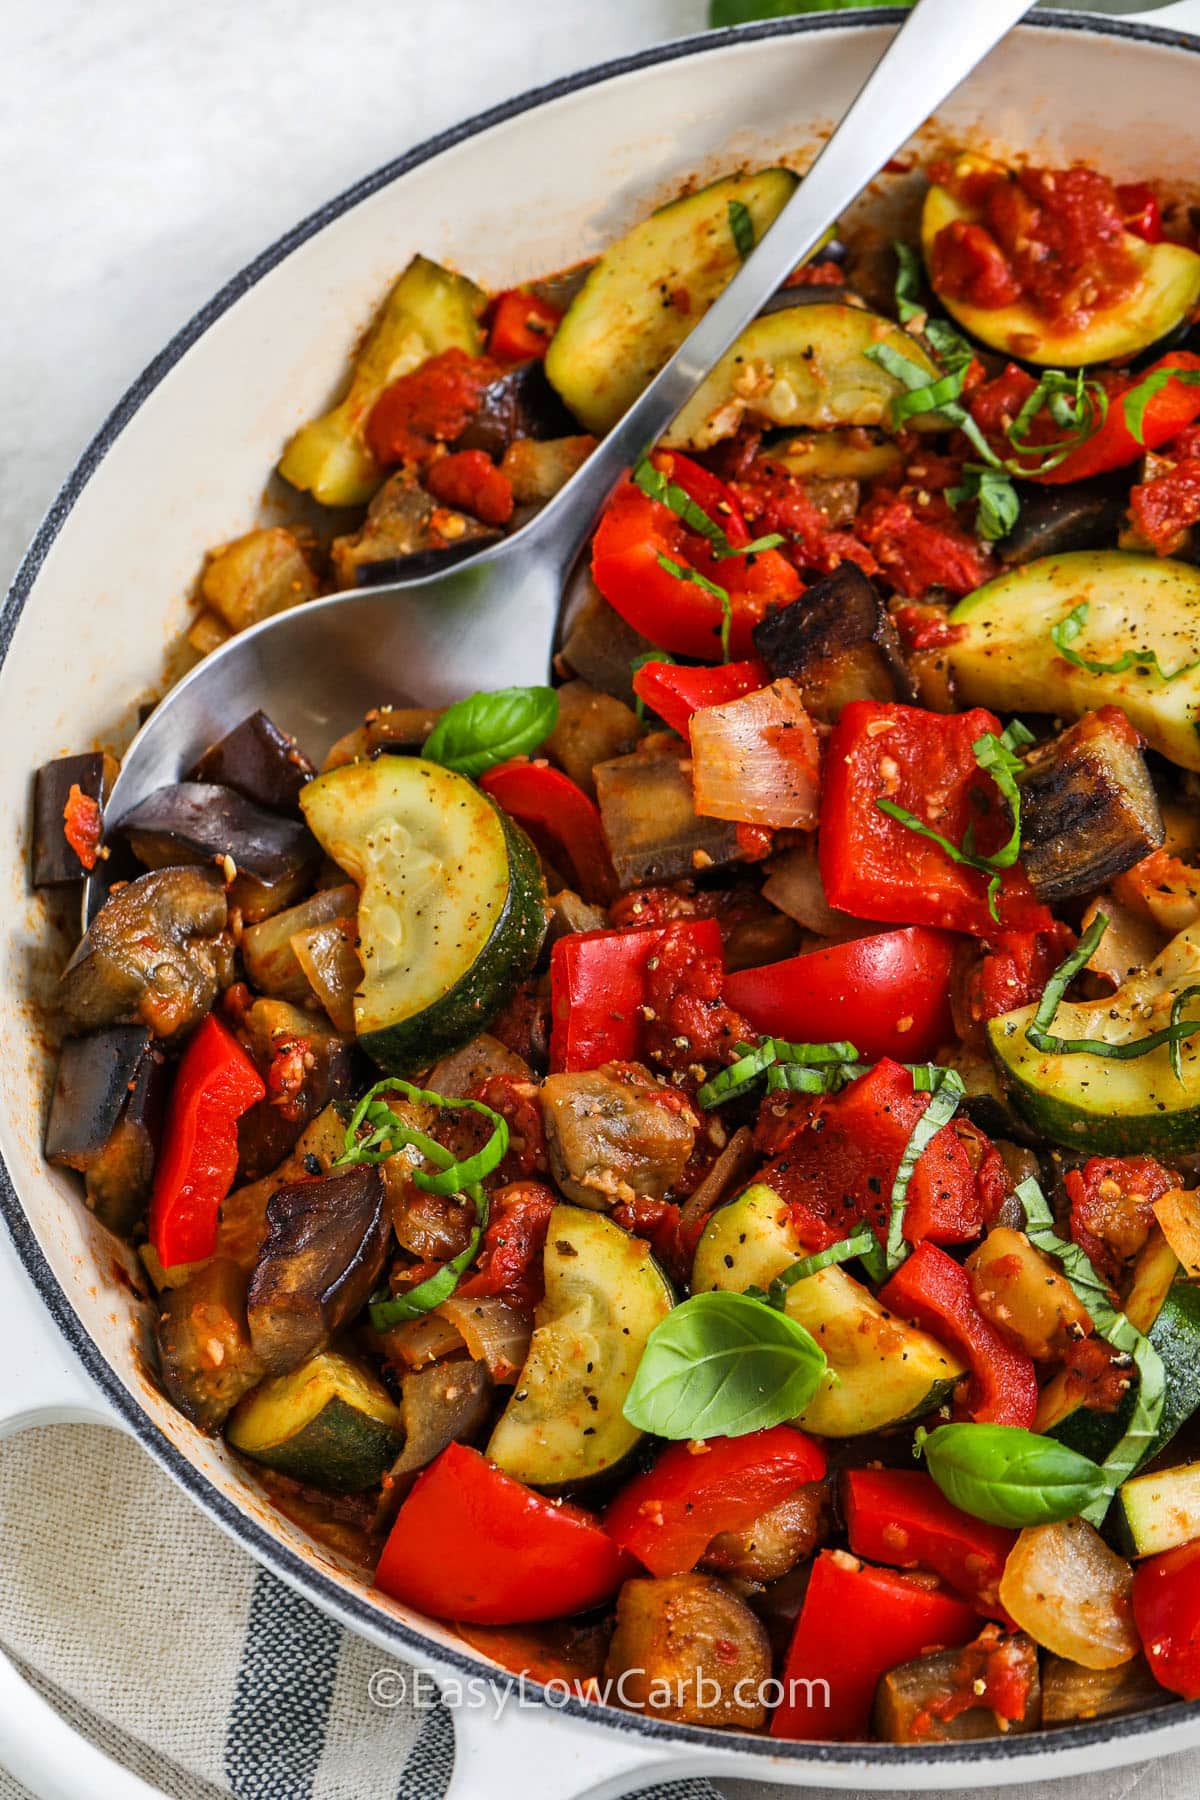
(179, 466)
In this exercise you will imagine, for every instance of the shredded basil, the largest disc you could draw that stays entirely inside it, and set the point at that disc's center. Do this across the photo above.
(655, 486)
(639, 662)
(1077, 404)
(387, 1134)
(860, 1243)
(997, 505)
(945, 1088)
(1118, 1330)
(1136, 400)
(1064, 633)
(741, 227)
(909, 283)
(826, 1067)
(709, 587)
(1038, 1031)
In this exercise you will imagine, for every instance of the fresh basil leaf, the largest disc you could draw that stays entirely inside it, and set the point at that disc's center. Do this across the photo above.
(1008, 1476)
(1078, 405)
(741, 227)
(909, 282)
(639, 662)
(803, 1068)
(1064, 633)
(722, 1365)
(483, 730)
(429, 1293)
(997, 504)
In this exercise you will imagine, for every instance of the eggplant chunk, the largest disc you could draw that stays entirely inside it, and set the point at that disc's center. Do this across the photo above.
(206, 1355)
(324, 1253)
(777, 1540)
(1080, 515)
(55, 862)
(257, 760)
(405, 533)
(314, 1067)
(385, 729)
(448, 1402)
(1088, 807)
(536, 468)
(459, 1072)
(257, 576)
(602, 648)
(518, 404)
(1070, 1692)
(591, 728)
(242, 1228)
(155, 953)
(649, 816)
(837, 643)
(909, 1699)
(199, 822)
(686, 1648)
(105, 1115)
(610, 1138)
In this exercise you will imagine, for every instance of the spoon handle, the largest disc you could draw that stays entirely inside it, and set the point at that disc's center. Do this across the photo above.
(937, 46)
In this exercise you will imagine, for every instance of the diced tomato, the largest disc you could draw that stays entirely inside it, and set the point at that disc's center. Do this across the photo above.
(1012, 971)
(1164, 507)
(1140, 211)
(599, 988)
(516, 1099)
(687, 1017)
(522, 326)
(83, 825)
(1112, 1207)
(817, 274)
(925, 627)
(510, 1261)
(899, 1516)
(888, 994)
(876, 867)
(932, 1289)
(471, 1543)
(429, 406)
(676, 691)
(470, 480)
(637, 535)
(668, 1517)
(838, 1163)
(756, 760)
(774, 499)
(919, 544)
(1166, 1611)
(558, 816)
(968, 264)
(856, 1623)
(997, 1672)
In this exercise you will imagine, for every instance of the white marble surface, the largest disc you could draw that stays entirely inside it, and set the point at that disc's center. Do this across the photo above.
(148, 150)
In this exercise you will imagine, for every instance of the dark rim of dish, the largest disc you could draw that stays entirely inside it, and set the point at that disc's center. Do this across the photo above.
(352, 1609)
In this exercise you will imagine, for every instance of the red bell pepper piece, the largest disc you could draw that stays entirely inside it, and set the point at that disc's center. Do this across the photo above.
(215, 1084)
(857, 1623)
(878, 868)
(900, 1516)
(888, 995)
(675, 692)
(1140, 211)
(522, 326)
(1166, 1611)
(669, 1516)
(637, 536)
(837, 1162)
(599, 982)
(932, 1289)
(471, 1543)
(557, 814)
(1112, 1208)
(470, 481)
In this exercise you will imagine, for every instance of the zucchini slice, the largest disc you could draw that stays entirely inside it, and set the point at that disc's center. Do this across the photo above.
(329, 1422)
(1003, 655)
(451, 912)
(802, 367)
(604, 1295)
(1096, 1103)
(850, 454)
(1167, 290)
(1157, 1512)
(881, 1370)
(646, 292)
(1165, 1306)
(428, 309)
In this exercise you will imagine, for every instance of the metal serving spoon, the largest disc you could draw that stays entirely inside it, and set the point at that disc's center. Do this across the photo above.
(490, 620)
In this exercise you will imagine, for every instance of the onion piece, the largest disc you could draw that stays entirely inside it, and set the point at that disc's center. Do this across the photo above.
(1131, 942)
(1163, 889)
(267, 949)
(794, 886)
(493, 1331)
(329, 956)
(420, 1341)
(756, 760)
(1178, 1214)
(1072, 1594)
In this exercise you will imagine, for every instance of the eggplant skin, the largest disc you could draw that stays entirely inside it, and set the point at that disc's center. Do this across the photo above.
(520, 403)
(200, 822)
(105, 1119)
(1088, 807)
(258, 761)
(1080, 515)
(837, 643)
(53, 861)
(156, 953)
(323, 1255)
(907, 1698)
(206, 1357)
(405, 532)
(650, 821)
